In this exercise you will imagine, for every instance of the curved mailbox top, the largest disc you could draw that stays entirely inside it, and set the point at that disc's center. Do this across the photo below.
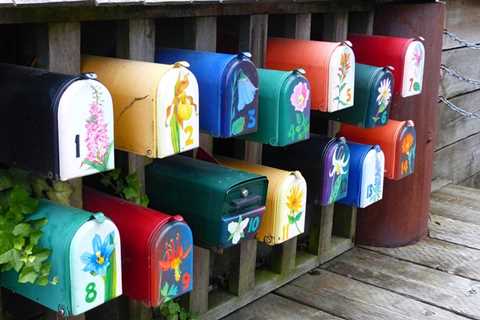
(323, 161)
(397, 140)
(54, 124)
(373, 97)
(330, 68)
(284, 216)
(220, 204)
(85, 257)
(228, 89)
(157, 248)
(405, 55)
(365, 181)
(155, 105)
(284, 108)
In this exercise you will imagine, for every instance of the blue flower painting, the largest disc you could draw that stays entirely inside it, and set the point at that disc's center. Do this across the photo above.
(244, 110)
(245, 90)
(97, 262)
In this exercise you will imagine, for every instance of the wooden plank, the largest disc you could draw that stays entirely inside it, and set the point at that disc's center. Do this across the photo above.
(439, 183)
(298, 26)
(320, 233)
(6, 3)
(462, 19)
(434, 287)
(242, 278)
(283, 256)
(353, 300)
(344, 221)
(455, 231)
(198, 297)
(440, 255)
(457, 162)
(274, 307)
(361, 22)
(463, 61)
(457, 203)
(22, 3)
(472, 182)
(335, 26)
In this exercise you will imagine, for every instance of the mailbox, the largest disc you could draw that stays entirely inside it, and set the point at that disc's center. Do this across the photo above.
(330, 67)
(157, 249)
(155, 106)
(406, 56)
(284, 108)
(228, 89)
(373, 96)
(85, 258)
(220, 204)
(284, 216)
(397, 140)
(365, 180)
(56, 125)
(323, 161)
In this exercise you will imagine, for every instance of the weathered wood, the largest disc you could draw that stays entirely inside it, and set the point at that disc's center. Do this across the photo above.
(274, 307)
(242, 278)
(462, 19)
(472, 181)
(198, 297)
(434, 287)
(344, 221)
(21, 3)
(298, 26)
(361, 22)
(353, 300)
(6, 3)
(439, 255)
(455, 231)
(283, 256)
(457, 203)
(439, 183)
(465, 63)
(335, 26)
(320, 233)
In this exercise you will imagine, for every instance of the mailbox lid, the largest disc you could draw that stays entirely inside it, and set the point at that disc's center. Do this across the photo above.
(413, 69)
(335, 170)
(205, 193)
(177, 111)
(341, 78)
(85, 130)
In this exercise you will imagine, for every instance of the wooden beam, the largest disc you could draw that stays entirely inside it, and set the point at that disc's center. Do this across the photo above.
(299, 26)
(320, 234)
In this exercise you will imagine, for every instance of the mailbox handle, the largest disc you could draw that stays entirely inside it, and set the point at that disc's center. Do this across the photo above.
(245, 202)
(99, 217)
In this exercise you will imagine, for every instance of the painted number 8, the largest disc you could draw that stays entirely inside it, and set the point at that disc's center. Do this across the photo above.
(91, 292)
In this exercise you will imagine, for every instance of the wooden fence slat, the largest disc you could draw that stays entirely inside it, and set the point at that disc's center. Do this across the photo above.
(198, 298)
(320, 234)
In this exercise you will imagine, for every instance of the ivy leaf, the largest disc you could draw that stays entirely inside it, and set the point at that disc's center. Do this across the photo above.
(22, 229)
(18, 243)
(27, 275)
(129, 193)
(60, 193)
(6, 256)
(42, 281)
(39, 186)
(5, 183)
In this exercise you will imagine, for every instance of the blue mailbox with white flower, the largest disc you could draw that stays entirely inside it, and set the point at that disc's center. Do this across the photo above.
(85, 261)
(228, 87)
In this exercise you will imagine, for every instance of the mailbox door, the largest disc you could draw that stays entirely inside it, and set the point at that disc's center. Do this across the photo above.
(177, 112)
(341, 78)
(171, 262)
(380, 98)
(240, 98)
(406, 146)
(371, 185)
(85, 130)
(336, 164)
(413, 69)
(234, 228)
(95, 265)
(294, 105)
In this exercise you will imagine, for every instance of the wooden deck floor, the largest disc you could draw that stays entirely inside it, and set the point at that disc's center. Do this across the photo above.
(436, 279)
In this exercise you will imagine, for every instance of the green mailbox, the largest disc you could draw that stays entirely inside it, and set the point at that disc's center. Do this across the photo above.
(221, 205)
(284, 108)
(373, 96)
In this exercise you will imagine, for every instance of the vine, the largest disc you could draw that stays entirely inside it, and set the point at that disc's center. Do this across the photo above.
(127, 187)
(172, 310)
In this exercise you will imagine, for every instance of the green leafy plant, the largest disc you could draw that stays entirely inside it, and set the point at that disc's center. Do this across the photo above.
(19, 234)
(172, 310)
(125, 186)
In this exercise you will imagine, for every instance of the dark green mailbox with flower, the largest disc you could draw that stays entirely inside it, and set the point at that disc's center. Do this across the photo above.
(221, 205)
(373, 96)
(85, 261)
(284, 108)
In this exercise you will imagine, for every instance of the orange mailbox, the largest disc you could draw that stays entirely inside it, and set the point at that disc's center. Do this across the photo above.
(330, 68)
(397, 140)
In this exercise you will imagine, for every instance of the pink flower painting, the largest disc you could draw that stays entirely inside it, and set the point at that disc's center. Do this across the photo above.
(300, 96)
(97, 140)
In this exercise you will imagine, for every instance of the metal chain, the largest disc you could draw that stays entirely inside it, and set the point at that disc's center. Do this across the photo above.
(458, 76)
(461, 41)
(453, 107)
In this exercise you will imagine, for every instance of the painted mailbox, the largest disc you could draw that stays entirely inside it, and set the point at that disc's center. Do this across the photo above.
(221, 205)
(228, 89)
(323, 161)
(85, 258)
(284, 108)
(397, 140)
(56, 125)
(406, 56)
(155, 105)
(157, 249)
(373, 97)
(284, 216)
(365, 180)
(330, 68)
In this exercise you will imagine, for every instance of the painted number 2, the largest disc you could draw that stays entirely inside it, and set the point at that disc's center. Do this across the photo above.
(253, 225)
(189, 131)
(91, 292)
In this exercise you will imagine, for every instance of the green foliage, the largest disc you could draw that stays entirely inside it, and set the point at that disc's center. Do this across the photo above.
(125, 186)
(171, 310)
(19, 234)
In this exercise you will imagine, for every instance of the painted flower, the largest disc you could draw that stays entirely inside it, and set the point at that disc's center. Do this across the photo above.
(404, 167)
(97, 262)
(407, 143)
(174, 256)
(338, 164)
(294, 199)
(186, 280)
(300, 96)
(417, 55)
(344, 64)
(246, 91)
(384, 92)
(97, 140)
(236, 229)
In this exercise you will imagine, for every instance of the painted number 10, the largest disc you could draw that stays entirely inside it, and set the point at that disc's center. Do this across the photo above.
(253, 225)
